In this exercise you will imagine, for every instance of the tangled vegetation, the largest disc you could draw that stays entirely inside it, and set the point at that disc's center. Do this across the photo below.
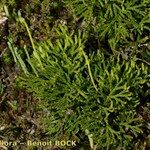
(86, 63)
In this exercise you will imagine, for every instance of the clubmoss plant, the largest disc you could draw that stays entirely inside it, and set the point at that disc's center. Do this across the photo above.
(83, 93)
(117, 21)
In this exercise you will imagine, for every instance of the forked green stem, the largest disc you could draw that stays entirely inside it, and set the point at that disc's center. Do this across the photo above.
(22, 20)
(89, 69)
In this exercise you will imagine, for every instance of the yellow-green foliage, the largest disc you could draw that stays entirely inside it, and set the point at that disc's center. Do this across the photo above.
(100, 96)
(90, 71)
